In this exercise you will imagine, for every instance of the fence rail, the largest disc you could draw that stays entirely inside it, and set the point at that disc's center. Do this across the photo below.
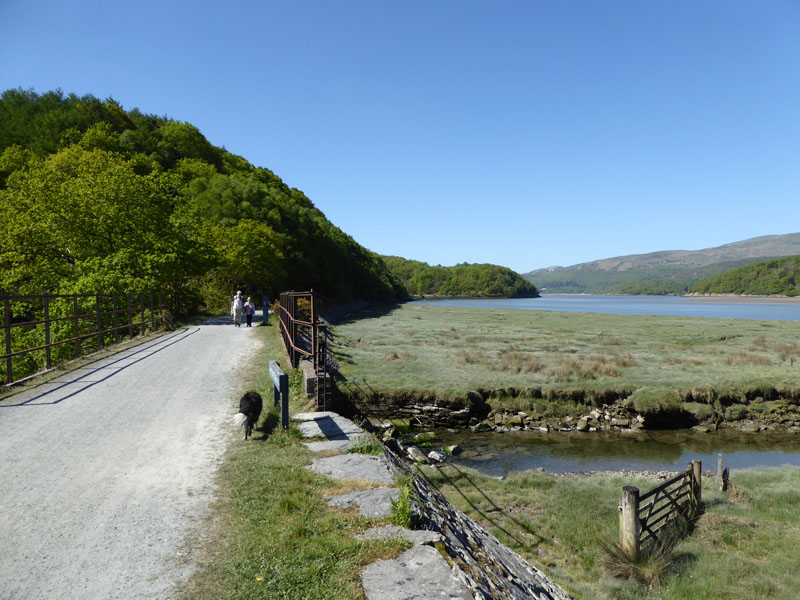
(304, 336)
(644, 517)
(42, 330)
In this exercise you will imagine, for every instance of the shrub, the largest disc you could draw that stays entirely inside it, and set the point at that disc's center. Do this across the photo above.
(700, 411)
(655, 399)
(737, 412)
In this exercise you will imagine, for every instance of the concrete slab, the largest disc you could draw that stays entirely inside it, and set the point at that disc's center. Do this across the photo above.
(374, 504)
(416, 537)
(333, 428)
(360, 467)
(417, 574)
(336, 445)
(313, 416)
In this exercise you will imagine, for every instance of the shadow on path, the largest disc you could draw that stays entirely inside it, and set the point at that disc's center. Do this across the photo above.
(81, 375)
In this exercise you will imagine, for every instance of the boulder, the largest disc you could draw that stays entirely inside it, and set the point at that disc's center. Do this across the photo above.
(416, 454)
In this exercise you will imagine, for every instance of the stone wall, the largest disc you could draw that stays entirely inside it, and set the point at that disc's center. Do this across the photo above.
(487, 567)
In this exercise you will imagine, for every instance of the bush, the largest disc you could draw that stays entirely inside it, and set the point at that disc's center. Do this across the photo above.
(655, 399)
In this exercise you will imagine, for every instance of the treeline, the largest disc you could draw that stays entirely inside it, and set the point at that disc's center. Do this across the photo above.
(94, 198)
(774, 277)
(658, 287)
(422, 279)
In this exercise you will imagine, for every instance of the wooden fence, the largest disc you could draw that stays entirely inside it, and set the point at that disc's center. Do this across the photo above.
(643, 518)
(40, 331)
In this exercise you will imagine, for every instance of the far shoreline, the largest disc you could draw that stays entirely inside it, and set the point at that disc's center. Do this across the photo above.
(731, 298)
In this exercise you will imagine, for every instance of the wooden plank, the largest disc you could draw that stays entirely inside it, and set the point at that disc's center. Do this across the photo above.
(679, 477)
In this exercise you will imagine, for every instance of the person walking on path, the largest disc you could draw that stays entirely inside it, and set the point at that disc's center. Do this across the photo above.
(249, 311)
(236, 309)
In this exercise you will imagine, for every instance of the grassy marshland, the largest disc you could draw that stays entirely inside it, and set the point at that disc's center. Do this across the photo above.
(743, 547)
(271, 534)
(448, 351)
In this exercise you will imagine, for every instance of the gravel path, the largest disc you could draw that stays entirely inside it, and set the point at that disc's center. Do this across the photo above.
(106, 471)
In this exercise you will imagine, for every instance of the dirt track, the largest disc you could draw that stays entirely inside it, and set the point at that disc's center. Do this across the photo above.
(105, 471)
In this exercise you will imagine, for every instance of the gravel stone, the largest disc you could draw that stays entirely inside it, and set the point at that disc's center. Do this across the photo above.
(107, 469)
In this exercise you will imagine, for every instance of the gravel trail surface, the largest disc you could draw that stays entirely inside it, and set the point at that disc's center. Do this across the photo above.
(106, 471)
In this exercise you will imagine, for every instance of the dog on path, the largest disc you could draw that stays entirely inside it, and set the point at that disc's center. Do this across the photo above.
(249, 411)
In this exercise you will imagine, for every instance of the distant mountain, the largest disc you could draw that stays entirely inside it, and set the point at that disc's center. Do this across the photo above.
(773, 277)
(663, 272)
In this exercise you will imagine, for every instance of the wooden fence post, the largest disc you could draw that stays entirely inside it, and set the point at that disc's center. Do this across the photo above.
(629, 527)
(99, 323)
(75, 322)
(130, 318)
(697, 492)
(116, 321)
(141, 308)
(48, 359)
(7, 328)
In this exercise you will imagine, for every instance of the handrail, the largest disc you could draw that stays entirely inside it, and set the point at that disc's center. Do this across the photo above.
(24, 317)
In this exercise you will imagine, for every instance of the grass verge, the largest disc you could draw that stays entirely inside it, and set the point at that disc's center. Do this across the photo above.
(270, 533)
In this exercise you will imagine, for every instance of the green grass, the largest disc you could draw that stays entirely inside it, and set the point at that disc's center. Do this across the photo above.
(448, 351)
(271, 533)
(743, 547)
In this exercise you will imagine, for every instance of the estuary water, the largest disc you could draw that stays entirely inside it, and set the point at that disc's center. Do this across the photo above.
(497, 454)
(719, 307)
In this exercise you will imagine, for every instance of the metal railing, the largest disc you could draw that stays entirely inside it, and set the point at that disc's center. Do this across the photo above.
(40, 331)
(304, 336)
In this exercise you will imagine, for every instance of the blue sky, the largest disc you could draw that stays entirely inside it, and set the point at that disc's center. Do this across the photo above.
(521, 133)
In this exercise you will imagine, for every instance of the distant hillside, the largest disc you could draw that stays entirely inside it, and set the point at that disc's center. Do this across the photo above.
(422, 279)
(774, 277)
(661, 272)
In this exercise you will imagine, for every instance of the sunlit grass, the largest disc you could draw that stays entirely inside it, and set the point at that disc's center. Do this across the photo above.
(449, 351)
(744, 546)
(271, 533)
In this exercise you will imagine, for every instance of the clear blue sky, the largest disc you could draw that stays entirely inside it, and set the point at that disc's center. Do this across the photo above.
(522, 133)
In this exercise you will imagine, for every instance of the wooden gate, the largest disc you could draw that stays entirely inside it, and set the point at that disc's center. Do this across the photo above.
(643, 518)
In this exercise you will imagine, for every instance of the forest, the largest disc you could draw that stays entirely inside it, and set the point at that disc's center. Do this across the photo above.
(94, 198)
(98, 199)
(421, 279)
(773, 277)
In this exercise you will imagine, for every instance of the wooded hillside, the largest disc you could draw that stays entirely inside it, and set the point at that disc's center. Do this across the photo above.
(96, 198)
(772, 277)
(422, 279)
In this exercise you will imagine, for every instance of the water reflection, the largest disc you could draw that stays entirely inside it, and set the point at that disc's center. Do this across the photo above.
(499, 454)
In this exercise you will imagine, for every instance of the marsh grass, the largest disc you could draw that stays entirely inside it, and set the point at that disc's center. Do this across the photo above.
(271, 533)
(743, 546)
(367, 445)
(656, 561)
(448, 351)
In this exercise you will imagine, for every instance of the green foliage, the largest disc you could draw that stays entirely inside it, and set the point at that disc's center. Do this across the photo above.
(367, 444)
(663, 287)
(421, 279)
(655, 399)
(94, 198)
(401, 508)
(773, 277)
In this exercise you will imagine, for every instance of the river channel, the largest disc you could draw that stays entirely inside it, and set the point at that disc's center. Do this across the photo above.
(498, 454)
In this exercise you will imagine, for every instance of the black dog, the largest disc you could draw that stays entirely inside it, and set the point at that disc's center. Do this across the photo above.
(249, 411)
